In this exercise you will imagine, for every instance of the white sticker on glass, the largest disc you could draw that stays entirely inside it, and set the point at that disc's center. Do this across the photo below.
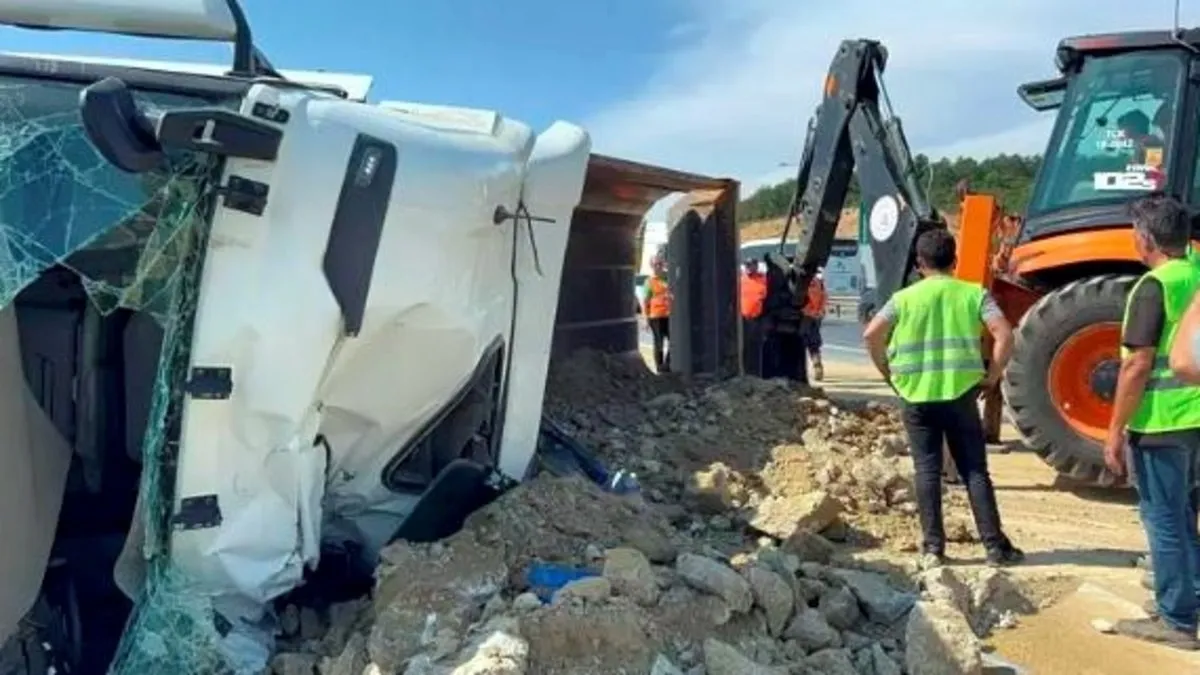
(1123, 180)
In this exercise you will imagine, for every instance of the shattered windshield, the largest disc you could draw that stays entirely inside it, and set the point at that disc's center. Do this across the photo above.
(1113, 138)
(135, 242)
(61, 203)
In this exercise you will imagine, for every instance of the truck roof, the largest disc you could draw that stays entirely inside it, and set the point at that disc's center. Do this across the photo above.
(355, 85)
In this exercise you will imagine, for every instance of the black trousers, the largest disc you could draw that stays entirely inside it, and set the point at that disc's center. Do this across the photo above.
(752, 346)
(810, 333)
(784, 356)
(957, 423)
(660, 329)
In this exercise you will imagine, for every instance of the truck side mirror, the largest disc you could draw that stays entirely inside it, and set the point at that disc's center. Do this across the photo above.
(119, 131)
(133, 140)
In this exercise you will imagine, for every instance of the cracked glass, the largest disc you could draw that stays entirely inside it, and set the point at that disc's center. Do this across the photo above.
(136, 241)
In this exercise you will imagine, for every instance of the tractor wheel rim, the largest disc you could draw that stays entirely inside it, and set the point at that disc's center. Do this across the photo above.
(1083, 378)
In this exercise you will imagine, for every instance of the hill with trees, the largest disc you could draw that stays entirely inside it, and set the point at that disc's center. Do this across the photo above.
(1008, 177)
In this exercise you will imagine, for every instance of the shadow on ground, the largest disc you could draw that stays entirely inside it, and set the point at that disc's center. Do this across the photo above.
(1119, 495)
(1090, 557)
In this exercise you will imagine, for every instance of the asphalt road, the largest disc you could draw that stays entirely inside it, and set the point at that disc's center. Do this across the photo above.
(843, 341)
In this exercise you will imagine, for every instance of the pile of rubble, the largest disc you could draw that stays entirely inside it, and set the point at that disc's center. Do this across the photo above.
(750, 450)
(726, 562)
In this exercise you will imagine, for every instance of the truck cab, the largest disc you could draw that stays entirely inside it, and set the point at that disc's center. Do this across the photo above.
(249, 322)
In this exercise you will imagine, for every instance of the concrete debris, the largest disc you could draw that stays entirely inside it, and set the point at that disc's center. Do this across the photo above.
(878, 662)
(733, 558)
(882, 602)
(940, 642)
(943, 585)
(811, 631)
(590, 589)
(809, 546)
(840, 608)
(631, 575)
(773, 594)
(784, 516)
(500, 654)
(293, 664)
(664, 666)
(1104, 626)
(989, 598)
(710, 576)
(831, 662)
(722, 659)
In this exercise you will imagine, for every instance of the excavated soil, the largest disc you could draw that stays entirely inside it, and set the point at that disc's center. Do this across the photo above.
(740, 553)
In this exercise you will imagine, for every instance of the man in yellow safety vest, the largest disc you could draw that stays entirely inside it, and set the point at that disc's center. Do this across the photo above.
(927, 342)
(1154, 432)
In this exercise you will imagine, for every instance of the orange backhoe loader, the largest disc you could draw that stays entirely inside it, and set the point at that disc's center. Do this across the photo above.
(1128, 116)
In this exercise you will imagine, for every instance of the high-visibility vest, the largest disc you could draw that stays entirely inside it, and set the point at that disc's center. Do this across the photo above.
(753, 295)
(1168, 403)
(814, 305)
(935, 352)
(658, 300)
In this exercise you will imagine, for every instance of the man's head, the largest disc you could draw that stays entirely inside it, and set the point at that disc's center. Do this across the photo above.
(1161, 228)
(658, 264)
(936, 252)
(1134, 123)
(750, 266)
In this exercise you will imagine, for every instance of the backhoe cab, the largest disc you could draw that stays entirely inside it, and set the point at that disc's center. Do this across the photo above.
(1126, 126)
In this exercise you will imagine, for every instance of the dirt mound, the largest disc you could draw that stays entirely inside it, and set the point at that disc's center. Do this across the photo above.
(724, 449)
(726, 561)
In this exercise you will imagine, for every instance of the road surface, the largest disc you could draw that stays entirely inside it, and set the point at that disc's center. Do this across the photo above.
(843, 341)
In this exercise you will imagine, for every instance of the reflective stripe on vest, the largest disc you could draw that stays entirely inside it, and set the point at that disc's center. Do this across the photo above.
(935, 351)
(658, 305)
(1168, 404)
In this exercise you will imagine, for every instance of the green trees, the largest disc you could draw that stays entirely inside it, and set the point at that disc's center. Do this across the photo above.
(1008, 177)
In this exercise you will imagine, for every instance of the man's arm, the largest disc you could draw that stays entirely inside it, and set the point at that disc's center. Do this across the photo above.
(1185, 351)
(875, 336)
(1002, 339)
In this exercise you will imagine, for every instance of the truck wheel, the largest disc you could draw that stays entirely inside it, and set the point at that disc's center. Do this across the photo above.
(1063, 375)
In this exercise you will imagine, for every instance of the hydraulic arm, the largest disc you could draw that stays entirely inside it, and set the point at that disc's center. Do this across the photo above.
(850, 132)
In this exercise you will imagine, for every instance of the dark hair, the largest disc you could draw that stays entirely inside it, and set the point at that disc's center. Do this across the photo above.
(1136, 121)
(1163, 220)
(936, 250)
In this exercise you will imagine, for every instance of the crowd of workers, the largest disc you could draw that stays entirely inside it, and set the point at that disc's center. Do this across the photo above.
(768, 352)
(925, 341)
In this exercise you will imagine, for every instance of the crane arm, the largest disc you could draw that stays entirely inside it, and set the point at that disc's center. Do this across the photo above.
(849, 131)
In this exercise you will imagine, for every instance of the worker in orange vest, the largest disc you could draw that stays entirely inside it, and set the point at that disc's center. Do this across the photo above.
(753, 292)
(657, 309)
(810, 323)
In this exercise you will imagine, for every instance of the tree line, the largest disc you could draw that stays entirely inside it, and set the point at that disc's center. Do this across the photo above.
(1008, 177)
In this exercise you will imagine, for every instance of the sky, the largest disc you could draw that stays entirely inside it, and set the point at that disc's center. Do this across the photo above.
(720, 87)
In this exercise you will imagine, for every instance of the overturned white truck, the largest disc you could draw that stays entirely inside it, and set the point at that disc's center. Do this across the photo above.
(250, 322)
(273, 308)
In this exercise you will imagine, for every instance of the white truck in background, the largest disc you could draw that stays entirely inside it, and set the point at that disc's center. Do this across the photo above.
(248, 322)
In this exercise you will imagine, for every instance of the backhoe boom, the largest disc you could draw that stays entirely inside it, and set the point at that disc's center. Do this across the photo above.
(848, 132)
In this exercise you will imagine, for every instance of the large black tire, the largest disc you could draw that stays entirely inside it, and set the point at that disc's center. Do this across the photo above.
(1045, 327)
